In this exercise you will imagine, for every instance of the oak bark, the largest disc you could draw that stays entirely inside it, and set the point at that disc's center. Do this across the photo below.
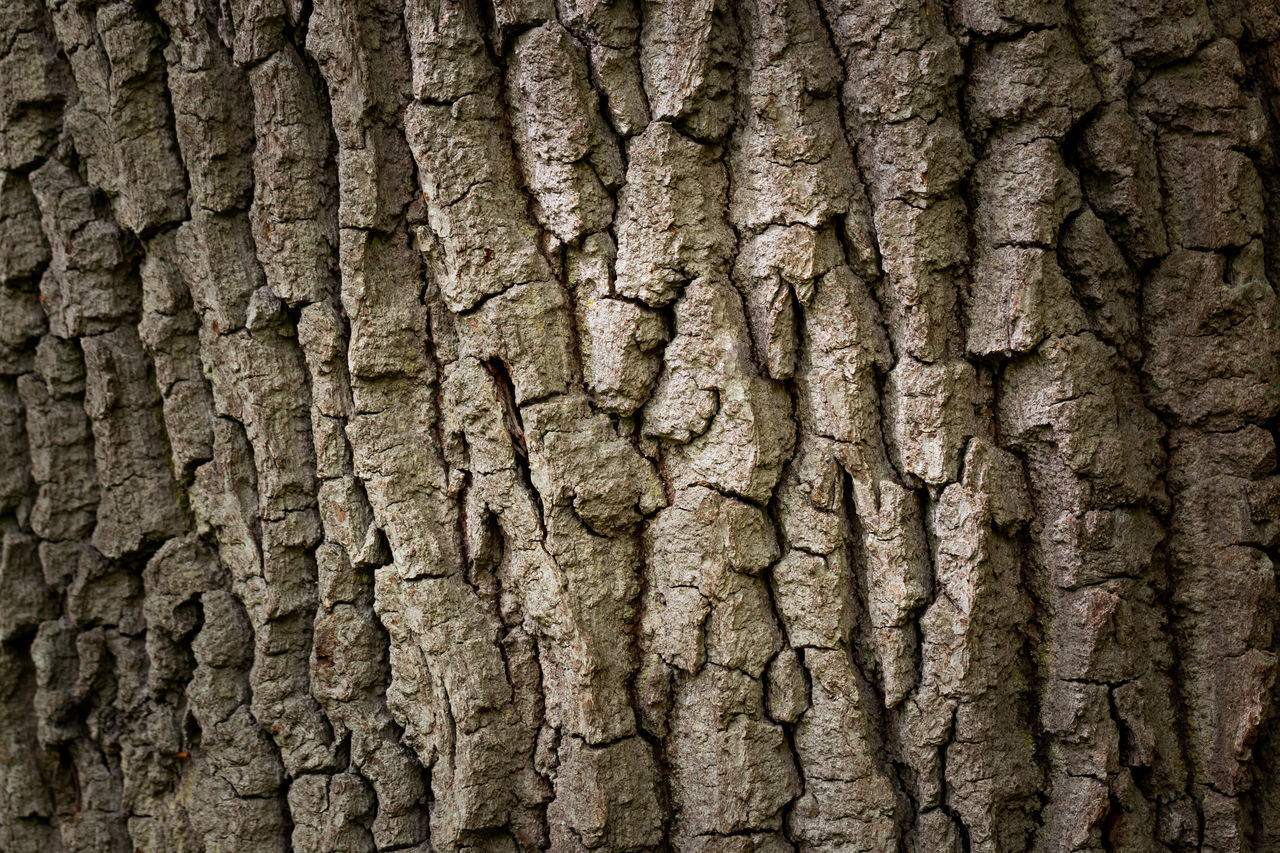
(703, 425)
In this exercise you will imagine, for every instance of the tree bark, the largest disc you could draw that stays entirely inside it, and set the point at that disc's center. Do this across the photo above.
(701, 425)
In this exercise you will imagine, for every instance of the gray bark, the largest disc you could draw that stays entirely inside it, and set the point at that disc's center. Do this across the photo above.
(707, 425)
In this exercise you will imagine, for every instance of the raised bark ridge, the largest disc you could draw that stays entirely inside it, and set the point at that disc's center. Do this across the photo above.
(716, 425)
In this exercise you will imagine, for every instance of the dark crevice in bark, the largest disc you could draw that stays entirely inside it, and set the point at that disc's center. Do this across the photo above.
(859, 649)
(515, 429)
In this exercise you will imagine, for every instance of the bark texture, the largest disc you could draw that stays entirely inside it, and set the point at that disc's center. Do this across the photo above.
(622, 425)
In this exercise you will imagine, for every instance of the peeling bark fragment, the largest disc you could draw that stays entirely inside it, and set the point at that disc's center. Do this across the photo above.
(902, 112)
(844, 348)
(929, 413)
(692, 571)
(1120, 179)
(20, 229)
(1020, 297)
(514, 14)
(921, 271)
(972, 665)
(789, 161)
(620, 341)
(779, 269)
(812, 595)
(25, 323)
(1036, 82)
(711, 403)
(122, 124)
(577, 458)
(334, 800)
(1095, 420)
(716, 708)
(1218, 203)
(1102, 282)
(1204, 96)
(786, 687)
(208, 93)
(686, 54)
(367, 68)
(467, 176)
(1122, 35)
(1025, 193)
(565, 151)
(611, 33)
(257, 29)
(670, 224)
(568, 584)
(15, 465)
(292, 227)
(1210, 360)
(138, 504)
(1226, 661)
(1007, 17)
(897, 578)
(217, 258)
(170, 335)
(31, 601)
(848, 794)
(446, 49)
(36, 84)
(62, 463)
(618, 810)
(87, 286)
(529, 328)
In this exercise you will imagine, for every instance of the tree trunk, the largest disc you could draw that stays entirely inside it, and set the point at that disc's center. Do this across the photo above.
(692, 425)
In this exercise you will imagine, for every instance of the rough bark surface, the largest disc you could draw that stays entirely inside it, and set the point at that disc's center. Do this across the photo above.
(624, 425)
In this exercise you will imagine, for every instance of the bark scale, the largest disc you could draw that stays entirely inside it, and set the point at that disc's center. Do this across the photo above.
(718, 426)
